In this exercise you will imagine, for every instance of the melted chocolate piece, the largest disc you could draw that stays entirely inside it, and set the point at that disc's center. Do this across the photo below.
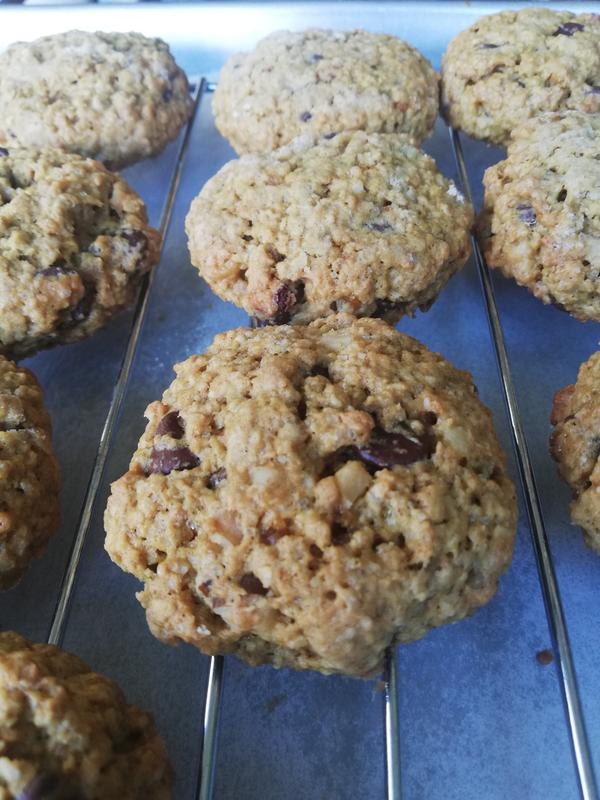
(250, 584)
(568, 29)
(387, 449)
(284, 299)
(171, 425)
(168, 460)
(135, 238)
(339, 534)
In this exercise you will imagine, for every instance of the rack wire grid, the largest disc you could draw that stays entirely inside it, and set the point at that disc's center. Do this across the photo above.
(174, 316)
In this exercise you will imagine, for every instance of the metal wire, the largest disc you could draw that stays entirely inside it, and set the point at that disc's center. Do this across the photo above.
(547, 576)
(392, 726)
(212, 710)
(59, 618)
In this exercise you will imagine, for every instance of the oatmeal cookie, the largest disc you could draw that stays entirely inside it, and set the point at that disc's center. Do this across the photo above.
(322, 82)
(307, 496)
(29, 476)
(513, 65)
(361, 223)
(117, 97)
(541, 218)
(74, 243)
(575, 444)
(67, 733)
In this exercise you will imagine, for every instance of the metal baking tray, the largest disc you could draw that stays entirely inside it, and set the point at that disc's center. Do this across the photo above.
(468, 712)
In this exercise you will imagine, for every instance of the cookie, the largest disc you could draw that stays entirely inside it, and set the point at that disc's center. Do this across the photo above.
(575, 444)
(513, 65)
(323, 82)
(67, 733)
(29, 478)
(541, 219)
(305, 496)
(74, 243)
(360, 223)
(117, 97)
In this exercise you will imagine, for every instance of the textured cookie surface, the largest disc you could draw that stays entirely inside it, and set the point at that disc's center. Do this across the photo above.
(67, 733)
(575, 444)
(362, 223)
(28, 473)
(514, 65)
(322, 82)
(541, 218)
(74, 242)
(306, 495)
(117, 97)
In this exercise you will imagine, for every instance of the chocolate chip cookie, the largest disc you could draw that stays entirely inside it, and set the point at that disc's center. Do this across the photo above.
(67, 733)
(74, 243)
(575, 444)
(323, 82)
(360, 223)
(541, 218)
(306, 496)
(513, 65)
(28, 474)
(117, 97)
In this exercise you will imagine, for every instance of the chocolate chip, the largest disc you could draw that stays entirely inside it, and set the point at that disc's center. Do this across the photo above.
(247, 238)
(3, 151)
(339, 534)
(315, 551)
(215, 478)
(170, 425)
(380, 227)
(167, 95)
(136, 238)
(387, 449)
(274, 253)
(568, 29)
(302, 409)
(526, 214)
(305, 116)
(429, 418)
(329, 135)
(544, 657)
(284, 299)
(250, 584)
(315, 57)
(488, 46)
(320, 369)
(384, 307)
(167, 460)
(562, 195)
(57, 269)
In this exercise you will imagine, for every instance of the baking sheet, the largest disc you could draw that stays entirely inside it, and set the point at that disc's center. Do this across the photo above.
(479, 716)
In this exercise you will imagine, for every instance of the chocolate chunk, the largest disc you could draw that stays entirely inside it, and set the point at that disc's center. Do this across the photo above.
(58, 268)
(430, 418)
(568, 29)
(247, 238)
(526, 214)
(315, 551)
(387, 449)
(329, 135)
(562, 195)
(136, 238)
(488, 46)
(250, 584)
(167, 460)
(216, 478)
(380, 227)
(167, 95)
(305, 116)
(339, 534)
(315, 57)
(320, 369)
(302, 409)
(384, 307)
(3, 151)
(170, 425)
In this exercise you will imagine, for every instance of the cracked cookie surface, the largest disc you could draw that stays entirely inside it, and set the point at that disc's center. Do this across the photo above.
(29, 478)
(74, 243)
(575, 444)
(513, 65)
(323, 82)
(304, 496)
(67, 733)
(361, 223)
(541, 219)
(117, 97)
